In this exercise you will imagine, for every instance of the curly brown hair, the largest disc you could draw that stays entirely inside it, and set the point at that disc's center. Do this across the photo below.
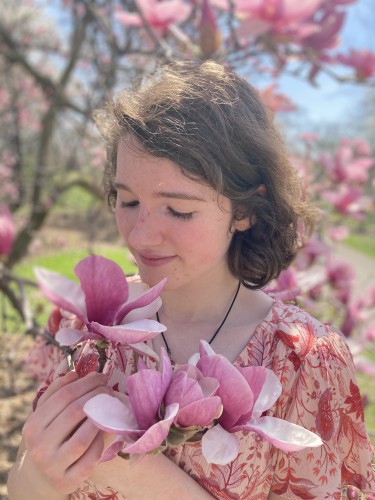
(211, 123)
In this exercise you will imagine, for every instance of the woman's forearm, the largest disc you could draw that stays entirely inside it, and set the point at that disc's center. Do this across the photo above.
(153, 477)
(26, 483)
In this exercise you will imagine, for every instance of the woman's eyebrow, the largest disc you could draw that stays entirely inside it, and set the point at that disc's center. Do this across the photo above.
(178, 195)
(120, 185)
(165, 194)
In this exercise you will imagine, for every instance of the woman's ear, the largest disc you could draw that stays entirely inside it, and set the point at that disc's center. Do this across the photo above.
(241, 223)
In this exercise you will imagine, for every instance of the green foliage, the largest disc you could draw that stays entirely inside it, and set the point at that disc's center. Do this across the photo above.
(64, 262)
(364, 243)
(76, 200)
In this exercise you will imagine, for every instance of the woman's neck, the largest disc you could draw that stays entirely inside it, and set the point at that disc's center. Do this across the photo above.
(198, 301)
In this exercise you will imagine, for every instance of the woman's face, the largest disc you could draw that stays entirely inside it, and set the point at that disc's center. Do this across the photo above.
(173, 226)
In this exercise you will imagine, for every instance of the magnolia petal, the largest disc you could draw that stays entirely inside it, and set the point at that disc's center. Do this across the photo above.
(209, 386)
(143, 300)
(128, 18)
(205, 349)
(219, 446)
(111, 451)
(144, 349)
(143, 312)
(282, 434)
(136, 288)
(156, 434)
(193, 360)
(145, 395)
(105, 287)
(111, 415)
(191, 370)
(171, 12)
(68, 336)
(236, 402)
(62, 292)
(265, 386)
(175, 391)
(200, 413)
(138, 331)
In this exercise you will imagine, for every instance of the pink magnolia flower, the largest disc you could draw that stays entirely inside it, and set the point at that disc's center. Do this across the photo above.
(341, 276)
(286, 286)
(156, 399)
(274, 16)
(311, 253)
(351, 162)
(276, 101)
(326, 34)
(348, 200)
(363, 61)
(195, 395)
(245, 394)
(110, 308)
(159, 14)
(338, 233)
(7, 231)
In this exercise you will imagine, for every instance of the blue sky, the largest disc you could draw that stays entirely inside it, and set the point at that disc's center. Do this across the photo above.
(330, 101)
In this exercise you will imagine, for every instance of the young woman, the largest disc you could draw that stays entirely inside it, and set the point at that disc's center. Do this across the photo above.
(204, 194)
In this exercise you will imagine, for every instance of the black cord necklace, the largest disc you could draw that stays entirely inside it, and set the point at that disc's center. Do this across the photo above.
(218, 329)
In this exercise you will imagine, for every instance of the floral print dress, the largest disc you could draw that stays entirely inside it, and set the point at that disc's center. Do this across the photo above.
(320, 393)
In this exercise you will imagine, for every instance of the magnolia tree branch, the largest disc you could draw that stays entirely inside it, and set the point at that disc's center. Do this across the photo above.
(16, 55)
(84, 183)
(26, 235)
(19, 302)
(40, 210)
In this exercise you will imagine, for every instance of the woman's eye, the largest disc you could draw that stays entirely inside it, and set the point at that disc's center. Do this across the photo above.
(181, 215)
(129, 204)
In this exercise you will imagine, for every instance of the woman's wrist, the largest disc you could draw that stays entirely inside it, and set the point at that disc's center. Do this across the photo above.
(25, 482)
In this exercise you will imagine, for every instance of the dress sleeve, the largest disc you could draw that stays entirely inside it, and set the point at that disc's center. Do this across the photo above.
(326, 400)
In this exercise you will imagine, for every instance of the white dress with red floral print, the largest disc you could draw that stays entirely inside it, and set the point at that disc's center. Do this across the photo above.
(320, 393)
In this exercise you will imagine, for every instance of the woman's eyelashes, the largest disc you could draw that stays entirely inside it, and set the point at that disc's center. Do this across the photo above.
(129, 204)
(181, 215)
(171, 211)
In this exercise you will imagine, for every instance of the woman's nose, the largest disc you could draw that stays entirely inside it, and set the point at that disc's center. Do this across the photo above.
(145, 232)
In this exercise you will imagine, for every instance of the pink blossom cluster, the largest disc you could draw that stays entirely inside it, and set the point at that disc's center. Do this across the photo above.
(307, 29)
(167, 407)
(164, 406)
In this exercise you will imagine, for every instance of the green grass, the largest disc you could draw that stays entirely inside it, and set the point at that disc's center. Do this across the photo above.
(364, 243)
(366, 385)
(65, 261)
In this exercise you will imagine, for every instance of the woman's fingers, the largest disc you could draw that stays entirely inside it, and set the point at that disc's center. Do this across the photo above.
(56, 385)
(68, 422)
(87, 444)
(60, 440)
(56, 403)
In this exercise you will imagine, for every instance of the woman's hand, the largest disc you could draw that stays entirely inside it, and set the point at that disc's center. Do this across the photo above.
(62, 445)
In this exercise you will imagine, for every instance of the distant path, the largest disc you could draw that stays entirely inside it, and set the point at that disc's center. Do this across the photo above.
(363, 265)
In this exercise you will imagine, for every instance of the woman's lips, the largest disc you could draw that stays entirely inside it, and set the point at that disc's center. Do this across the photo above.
(155, 260)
